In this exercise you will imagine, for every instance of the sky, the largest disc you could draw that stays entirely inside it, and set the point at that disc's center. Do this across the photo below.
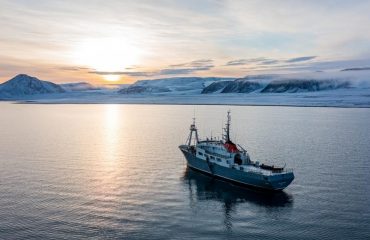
(124, 41)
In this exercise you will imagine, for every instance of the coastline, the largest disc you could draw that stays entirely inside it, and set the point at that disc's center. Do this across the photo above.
(186, 104)
(338, 99)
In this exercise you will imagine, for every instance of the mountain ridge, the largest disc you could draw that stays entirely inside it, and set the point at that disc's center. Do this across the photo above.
(78, 86)
(171, 85)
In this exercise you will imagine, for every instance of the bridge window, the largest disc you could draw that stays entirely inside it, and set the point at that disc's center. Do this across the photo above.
(237, 159)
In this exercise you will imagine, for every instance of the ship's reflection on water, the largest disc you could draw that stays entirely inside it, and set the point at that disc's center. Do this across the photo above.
(208, 188)
(205, 188)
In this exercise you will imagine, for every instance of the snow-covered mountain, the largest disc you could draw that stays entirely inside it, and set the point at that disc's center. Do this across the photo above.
(291, 83)
(171, 85)
(80, 86)
(336, 88)
(23, 84)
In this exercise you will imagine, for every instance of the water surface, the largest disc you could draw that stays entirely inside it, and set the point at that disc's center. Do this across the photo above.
(115, 171)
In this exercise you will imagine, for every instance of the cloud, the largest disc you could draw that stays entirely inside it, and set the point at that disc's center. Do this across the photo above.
(132, 74)
(239, 62)
(188, 67)
(201, 62)
(262, 61)
(70, 68)
(132, 67)
(195, 63)
(300, 59)
(270, 62)
(259, 61)
(175, 69)
(165, 30)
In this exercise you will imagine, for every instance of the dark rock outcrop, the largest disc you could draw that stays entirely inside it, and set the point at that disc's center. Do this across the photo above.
(215, 86)
(306, 85)
(142, 89)
(241, 86)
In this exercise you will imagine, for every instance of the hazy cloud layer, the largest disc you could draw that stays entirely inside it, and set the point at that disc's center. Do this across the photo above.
(174, 69)
(224, 34)
(132, 74)
(267, 61)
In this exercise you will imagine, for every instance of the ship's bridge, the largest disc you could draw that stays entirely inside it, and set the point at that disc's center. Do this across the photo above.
(216, 145)
(225, 151)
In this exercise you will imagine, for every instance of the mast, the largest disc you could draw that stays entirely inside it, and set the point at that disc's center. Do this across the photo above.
(194, 129)
(227, 128)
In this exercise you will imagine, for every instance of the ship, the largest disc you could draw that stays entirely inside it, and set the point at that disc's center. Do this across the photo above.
(223, 159)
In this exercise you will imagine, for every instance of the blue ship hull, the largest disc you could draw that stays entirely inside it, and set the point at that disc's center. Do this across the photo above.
(271, 182)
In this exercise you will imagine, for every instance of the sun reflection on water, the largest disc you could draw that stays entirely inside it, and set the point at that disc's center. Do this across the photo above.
(106, 173)
(111, 135)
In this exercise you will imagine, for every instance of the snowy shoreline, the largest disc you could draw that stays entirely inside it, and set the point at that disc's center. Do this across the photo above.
(197, 104)
(344, 99)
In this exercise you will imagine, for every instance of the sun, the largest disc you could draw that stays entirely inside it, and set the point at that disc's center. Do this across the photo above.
(106, 55)
(112, 78)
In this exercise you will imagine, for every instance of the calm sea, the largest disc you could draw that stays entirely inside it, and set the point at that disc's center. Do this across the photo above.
(115, 172)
